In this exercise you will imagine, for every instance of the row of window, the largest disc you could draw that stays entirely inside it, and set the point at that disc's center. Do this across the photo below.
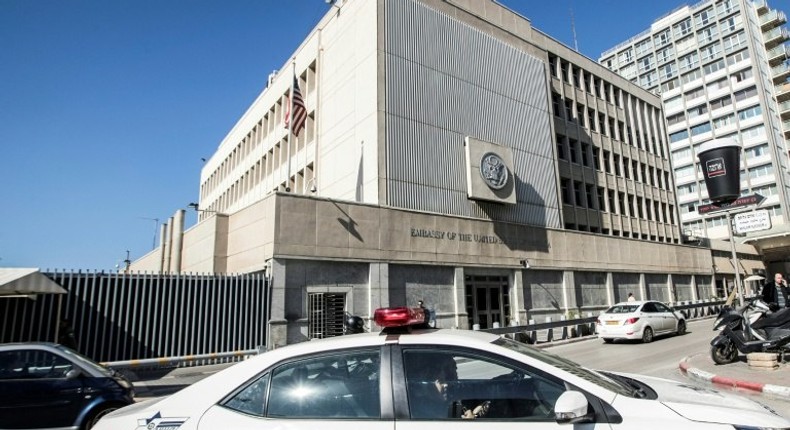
(587, 155)
(581, 194)
(271, 124)
(681, 31)
(574, 111)
(618, 233)
(695, 130)
(696, 227)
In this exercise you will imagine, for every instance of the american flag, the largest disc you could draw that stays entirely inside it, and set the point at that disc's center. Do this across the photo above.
(300, 112)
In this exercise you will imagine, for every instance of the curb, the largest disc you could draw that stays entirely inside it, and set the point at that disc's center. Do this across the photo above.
(694, 373)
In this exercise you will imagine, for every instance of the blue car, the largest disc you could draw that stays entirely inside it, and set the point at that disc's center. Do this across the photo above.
(46, 385)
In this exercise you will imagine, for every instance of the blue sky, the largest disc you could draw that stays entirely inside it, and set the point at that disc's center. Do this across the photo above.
(107, 107)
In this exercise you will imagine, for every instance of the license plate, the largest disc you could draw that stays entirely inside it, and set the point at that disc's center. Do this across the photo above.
(612, 322)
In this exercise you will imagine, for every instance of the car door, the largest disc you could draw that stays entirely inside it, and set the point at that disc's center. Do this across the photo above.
(653, 317)
(338, 390)
(35, 392)
(444, 388)
(670, 320)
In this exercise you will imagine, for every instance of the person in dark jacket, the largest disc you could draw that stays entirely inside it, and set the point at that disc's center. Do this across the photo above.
(66, 335)
(775, 293)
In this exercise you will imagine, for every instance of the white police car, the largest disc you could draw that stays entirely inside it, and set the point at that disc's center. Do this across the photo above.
(409, 377)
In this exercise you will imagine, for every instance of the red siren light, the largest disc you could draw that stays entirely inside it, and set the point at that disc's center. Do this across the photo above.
(399, 317)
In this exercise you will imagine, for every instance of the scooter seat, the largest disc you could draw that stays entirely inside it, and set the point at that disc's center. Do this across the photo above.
(776, 319)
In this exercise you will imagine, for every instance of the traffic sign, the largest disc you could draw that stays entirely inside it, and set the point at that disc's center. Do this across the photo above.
(752, 221)
(754, 199)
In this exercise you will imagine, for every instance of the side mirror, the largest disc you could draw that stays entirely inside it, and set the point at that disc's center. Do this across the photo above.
(73, 373)
(571, 408)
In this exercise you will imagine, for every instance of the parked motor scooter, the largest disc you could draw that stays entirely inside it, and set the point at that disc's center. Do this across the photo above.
(750, 328)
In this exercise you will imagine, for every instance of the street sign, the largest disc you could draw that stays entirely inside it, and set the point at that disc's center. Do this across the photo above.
(754, 199)
(752, 221)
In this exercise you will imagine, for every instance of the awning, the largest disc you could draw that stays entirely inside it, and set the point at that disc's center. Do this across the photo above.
(754, 278)
(26, 281)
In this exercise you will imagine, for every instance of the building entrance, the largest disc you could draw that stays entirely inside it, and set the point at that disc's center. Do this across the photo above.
(487, 300)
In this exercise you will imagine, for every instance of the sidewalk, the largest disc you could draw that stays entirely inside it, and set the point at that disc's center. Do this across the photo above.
(775, 382)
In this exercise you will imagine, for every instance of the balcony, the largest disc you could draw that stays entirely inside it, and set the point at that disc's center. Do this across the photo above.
(780, 73)
(772, 19)
(782, 92)
(786, 128)
(761, 6)
(784, 109)
(775, 37)
(777, 54)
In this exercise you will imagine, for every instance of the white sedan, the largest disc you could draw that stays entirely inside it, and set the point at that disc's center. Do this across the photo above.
(412, 377)
(639, 320)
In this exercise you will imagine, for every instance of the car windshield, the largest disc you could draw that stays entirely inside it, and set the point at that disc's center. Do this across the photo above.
(567, 365)
(622, 309)
(85, 361)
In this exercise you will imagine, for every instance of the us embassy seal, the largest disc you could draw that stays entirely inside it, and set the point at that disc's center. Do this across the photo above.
(493, 170)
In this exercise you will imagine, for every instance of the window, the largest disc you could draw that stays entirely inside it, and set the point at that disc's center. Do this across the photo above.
(741, 76)
(648, 80)
(685, 171)
(665, 55)
(555, 104)
(718, 84)
(560, 147)
(676, 119)
(753, 132)
(697, 111)
(566, 192)
(745, 93)
(691, 76)
(738, 57)
(704, 18)
(734, 42)
(585, 154)
(756, 151)
(685, 44)
(572, 150)
(724, 121)
(710, 52)
(681, 154)
(667, 71)
(682, 28)
(750, 112)
(326, 314)
(625, 57)
(731, 24)
(643, 47)
(684, 190)
(577, 193)
(713, 67)
(628, 71)
(677, 137)
(760, 171)
(662, 38)
(720, 102)
(33, 364)
(646, 63)
(688, 62)
(344, 385)
(444, 384)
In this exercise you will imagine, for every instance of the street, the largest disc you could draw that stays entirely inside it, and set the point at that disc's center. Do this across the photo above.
(659, 358)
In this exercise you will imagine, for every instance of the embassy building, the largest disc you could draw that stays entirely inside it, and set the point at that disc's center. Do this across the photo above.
(453, 154)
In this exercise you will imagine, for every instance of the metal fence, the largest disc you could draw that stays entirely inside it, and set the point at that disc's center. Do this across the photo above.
(135, 316)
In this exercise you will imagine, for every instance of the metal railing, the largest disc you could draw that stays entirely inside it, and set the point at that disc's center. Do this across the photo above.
(564, 329)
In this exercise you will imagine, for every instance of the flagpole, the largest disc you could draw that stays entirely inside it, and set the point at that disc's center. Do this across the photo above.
(290, 129)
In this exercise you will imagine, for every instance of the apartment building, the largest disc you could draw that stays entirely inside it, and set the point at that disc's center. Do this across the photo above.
(720, 69)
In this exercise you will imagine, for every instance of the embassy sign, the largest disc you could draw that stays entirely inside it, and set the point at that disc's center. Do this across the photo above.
(751, 200)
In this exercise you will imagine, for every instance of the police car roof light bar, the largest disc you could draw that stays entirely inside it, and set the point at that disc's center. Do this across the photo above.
(399, 316)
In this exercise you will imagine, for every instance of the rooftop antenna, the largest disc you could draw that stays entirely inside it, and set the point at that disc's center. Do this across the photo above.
(573, 29)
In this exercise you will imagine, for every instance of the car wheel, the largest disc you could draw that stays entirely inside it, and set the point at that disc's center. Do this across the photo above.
(681, 327)
(647, 335)
(95, 416)
(608, 340)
